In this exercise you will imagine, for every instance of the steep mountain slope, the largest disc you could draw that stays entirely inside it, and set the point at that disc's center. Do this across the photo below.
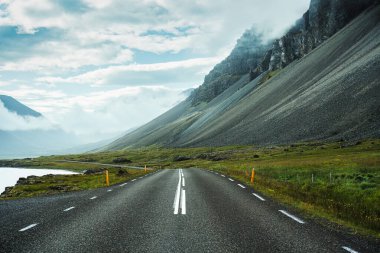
(297, 93)
(15, 106)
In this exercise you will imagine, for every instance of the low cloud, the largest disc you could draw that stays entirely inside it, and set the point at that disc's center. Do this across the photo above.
(11, 121)
(100, 67)
(115, 111)
(107, 32)
(138, 74)
(98, 115)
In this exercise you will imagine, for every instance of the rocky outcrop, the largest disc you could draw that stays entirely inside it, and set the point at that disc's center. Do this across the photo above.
(250, 55)
(323, 19)
(331, 94)
(246, 55)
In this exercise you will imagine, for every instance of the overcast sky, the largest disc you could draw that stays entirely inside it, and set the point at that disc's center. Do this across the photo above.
(100, 67)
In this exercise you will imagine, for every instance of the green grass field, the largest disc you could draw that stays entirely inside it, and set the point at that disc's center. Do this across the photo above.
(338, 181)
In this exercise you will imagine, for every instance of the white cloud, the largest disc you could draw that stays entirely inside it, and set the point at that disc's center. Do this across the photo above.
(96, 115)
(56, 55)
(207, 27)
(110, 112)
(134, 71)
(11, 121)
(33, 14)
(82, 65)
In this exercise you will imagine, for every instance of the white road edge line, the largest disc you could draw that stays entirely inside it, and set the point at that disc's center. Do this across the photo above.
(183, 202)
(258, 196)
(28, 227)
(68, 209)
(123, 184)
(133, 179)
(242, 186)
(349, 249)
(110, 190)
(223, 175)
(94, 197)
(292, 216)
(231, 179)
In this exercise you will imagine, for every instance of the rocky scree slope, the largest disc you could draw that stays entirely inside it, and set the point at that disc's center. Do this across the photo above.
(327, 88)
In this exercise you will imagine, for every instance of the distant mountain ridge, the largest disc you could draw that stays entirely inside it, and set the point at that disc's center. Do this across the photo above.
(320, 81)
(15, 106)
(33, 142)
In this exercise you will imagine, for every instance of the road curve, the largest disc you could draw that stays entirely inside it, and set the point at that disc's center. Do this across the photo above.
(189, 210)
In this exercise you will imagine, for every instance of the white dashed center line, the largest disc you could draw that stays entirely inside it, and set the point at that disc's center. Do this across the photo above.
(292, 216)
(94, 197)
(183, 202)
(179, 204)
(231, 179)
(110, 190)
(258, 196)
(133, 180)
(242, 186)
(223, 175)
(68, 209)
(349, 249)
(28, 227)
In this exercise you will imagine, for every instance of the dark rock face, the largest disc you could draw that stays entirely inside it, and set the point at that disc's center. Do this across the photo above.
(29, 180)
(121, 160)
(122, 172)
(323, 19)
(93, 171)
(251, 55)
(245, 57)
(181, 158)
(6, 192)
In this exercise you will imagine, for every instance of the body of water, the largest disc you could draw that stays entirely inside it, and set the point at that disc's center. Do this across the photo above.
(9, 176)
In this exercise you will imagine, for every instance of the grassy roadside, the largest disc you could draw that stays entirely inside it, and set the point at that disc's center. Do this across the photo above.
(338, 181)
(53, 184)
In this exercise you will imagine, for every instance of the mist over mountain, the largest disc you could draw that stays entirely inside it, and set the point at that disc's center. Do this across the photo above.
(246, 55)
(320, 81)
(25, 132)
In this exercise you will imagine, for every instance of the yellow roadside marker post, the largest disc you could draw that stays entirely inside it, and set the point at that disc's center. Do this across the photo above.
(253, 175)
(107, 178)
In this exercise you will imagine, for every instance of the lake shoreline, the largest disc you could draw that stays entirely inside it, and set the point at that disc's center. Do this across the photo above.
(10, 176)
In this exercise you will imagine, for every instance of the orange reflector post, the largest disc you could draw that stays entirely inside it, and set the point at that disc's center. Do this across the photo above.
(253, 175)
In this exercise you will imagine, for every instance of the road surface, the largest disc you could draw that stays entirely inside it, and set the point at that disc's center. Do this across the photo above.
(189, 210)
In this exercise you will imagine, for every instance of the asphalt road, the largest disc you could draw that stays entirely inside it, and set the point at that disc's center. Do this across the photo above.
(188, 210)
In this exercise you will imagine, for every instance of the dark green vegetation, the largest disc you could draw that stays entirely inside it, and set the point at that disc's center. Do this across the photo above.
(339, 181)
